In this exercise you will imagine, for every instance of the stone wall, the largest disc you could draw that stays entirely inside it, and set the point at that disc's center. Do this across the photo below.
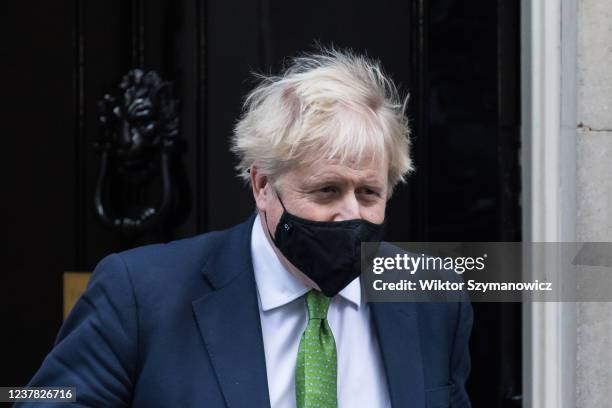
(594, 193)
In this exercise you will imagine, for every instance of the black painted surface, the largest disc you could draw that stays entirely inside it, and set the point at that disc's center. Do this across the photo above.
(473, 174)
(458, 59)
(39, 180)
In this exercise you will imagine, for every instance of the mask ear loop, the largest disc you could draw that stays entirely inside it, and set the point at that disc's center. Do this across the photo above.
(279, 198)
(266, 215)
(268, 228)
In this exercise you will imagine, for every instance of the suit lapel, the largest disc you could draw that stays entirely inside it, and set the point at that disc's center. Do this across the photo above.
(228, 320)
(398, 336)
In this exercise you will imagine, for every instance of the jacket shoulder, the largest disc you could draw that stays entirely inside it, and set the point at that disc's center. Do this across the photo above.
(180, 252)
(180, 260)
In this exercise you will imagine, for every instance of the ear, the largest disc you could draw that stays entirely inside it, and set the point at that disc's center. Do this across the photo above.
(259, 183)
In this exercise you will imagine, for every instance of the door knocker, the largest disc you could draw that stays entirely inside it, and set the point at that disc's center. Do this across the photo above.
(140, 135)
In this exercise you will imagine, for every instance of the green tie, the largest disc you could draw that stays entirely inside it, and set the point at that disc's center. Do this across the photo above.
(315, 371)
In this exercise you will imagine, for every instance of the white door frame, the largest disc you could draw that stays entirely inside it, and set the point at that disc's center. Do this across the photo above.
(548, 158)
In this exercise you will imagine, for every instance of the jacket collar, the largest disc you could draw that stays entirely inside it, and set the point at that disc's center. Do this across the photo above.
(228, 320)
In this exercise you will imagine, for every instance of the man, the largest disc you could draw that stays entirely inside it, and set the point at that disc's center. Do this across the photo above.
(272, 312)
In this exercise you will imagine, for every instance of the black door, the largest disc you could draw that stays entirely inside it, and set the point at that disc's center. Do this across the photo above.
(458, 59)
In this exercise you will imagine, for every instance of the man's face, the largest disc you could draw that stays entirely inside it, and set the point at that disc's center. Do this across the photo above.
(324, 191)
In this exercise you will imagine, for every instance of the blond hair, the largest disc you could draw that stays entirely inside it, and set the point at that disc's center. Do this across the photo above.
(333, 104)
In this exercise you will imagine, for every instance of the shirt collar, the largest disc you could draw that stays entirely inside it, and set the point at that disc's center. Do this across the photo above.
(275, 284)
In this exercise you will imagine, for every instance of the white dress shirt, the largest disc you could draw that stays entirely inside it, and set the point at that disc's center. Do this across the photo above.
(282, 308)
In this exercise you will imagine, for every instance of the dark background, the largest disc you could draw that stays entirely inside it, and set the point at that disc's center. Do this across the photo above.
(458, 60)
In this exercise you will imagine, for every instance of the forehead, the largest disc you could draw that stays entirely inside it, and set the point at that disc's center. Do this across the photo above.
(332, 170)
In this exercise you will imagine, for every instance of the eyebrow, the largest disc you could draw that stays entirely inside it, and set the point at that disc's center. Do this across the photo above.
(313, 181)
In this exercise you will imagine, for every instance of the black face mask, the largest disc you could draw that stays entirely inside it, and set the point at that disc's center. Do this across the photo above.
(329, 253)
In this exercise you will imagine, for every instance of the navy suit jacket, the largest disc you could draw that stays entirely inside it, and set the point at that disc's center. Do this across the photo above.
(177, 325)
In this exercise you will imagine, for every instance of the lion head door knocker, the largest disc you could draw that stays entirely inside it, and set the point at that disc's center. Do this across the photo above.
(139, 137)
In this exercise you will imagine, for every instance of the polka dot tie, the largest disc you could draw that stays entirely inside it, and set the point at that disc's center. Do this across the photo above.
(315, 371)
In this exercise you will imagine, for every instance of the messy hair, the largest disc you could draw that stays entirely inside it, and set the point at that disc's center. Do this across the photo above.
(332, 104)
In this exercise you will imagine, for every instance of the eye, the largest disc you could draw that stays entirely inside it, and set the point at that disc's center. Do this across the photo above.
(369, 192)
(329, 190)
